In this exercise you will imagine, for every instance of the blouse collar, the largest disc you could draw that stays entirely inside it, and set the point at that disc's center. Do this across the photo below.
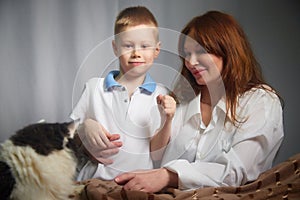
(193, 108)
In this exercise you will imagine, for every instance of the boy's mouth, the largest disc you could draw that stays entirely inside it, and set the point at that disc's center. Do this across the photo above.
(135, 63)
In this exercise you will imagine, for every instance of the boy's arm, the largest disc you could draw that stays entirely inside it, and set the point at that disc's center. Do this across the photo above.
(98, 142)
(167, 108)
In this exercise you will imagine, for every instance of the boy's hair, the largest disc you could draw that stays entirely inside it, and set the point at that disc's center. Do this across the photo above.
(134, 16)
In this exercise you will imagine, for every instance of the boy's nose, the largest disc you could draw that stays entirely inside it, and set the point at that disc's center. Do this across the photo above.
(135, 53)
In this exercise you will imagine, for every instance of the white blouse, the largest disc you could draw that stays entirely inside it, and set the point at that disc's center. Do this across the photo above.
(225, 155)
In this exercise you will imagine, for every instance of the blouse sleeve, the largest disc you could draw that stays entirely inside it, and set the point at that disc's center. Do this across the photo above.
(242, 152)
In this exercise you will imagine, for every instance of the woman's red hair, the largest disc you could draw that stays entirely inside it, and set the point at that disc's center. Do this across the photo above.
(220, 34)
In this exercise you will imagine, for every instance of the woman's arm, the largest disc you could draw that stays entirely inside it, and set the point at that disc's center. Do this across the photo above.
(241, 158)
(230, 161)
(148, 180)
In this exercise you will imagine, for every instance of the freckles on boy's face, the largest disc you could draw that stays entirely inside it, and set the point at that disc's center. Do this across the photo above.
(137, 47)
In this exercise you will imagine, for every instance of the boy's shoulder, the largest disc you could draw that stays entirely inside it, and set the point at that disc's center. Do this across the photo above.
(95, 82)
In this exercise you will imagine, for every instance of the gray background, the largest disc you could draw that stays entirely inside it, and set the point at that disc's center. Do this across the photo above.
(45, 47)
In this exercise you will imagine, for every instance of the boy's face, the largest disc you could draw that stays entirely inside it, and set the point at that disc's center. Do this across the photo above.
(136, 47)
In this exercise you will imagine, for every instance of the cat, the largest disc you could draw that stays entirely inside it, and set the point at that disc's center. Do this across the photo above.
(39, 162)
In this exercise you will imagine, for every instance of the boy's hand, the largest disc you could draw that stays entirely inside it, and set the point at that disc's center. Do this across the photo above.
(99, 143)
(167, 106)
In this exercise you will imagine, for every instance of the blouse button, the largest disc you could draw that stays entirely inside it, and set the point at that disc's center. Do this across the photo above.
(226, 146)
(200, 155)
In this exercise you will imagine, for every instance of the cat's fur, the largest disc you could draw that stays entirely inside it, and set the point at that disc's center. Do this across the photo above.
(39, 162)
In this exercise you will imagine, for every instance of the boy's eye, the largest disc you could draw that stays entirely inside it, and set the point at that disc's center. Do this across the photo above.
(144, 46)
(128, 46)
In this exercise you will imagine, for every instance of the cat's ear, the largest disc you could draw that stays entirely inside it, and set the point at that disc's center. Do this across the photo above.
(72, 126)
(41, 121)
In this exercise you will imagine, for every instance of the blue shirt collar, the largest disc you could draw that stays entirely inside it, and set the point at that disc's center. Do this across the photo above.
(149, 84)
(110, 81)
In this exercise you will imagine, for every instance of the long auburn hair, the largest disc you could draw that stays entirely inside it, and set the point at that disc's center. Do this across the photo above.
(220, 34)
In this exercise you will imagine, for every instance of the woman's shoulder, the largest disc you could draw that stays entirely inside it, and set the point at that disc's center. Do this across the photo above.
(261, 95)
(261, 91)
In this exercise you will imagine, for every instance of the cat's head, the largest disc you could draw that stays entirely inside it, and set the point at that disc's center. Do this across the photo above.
(46, 137)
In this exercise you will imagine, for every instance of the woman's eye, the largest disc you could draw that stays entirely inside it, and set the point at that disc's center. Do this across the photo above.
(201, 51)
(187, 54)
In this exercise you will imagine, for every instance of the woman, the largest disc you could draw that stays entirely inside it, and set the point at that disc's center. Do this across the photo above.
(232, 129)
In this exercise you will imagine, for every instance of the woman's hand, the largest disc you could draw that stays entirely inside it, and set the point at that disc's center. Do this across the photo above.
(148, 180)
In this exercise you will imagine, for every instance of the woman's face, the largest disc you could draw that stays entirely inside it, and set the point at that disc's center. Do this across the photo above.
(205, 67)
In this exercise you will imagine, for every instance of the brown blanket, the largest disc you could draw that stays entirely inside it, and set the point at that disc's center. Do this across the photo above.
(280, 182)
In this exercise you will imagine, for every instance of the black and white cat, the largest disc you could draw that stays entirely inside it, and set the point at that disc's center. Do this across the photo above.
(39, 162)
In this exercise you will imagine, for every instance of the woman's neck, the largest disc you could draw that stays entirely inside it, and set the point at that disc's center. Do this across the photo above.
(205, 96)
(212, 95)
(205, 106)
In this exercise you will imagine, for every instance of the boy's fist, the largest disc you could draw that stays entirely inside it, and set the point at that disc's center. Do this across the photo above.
(167, 105)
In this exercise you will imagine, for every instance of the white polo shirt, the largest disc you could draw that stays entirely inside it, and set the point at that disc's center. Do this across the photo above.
(135, 119)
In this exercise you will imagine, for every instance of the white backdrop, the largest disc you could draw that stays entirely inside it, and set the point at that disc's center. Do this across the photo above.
(43, 43)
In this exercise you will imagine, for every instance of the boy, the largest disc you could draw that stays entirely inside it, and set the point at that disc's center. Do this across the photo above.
(124, 102)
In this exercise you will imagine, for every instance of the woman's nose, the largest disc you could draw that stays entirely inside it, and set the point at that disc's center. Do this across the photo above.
(193, 60)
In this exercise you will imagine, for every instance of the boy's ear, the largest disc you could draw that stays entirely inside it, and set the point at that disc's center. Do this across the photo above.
(157, 49)
(114, 46)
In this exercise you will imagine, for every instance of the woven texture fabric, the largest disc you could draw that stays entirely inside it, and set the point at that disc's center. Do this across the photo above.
(280, 182)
